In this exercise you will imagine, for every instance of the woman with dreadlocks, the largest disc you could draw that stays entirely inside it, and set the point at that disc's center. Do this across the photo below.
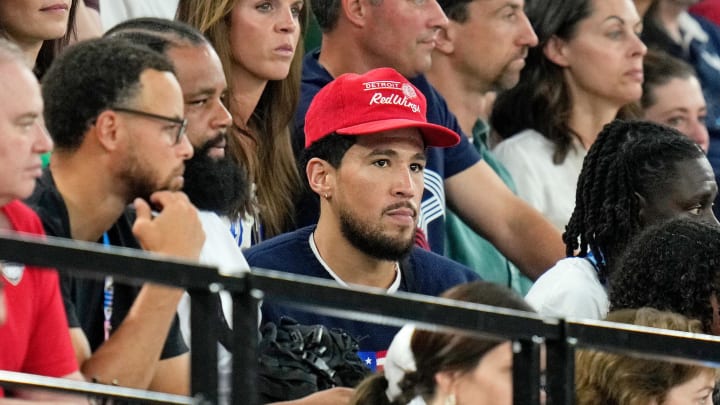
(636, 174)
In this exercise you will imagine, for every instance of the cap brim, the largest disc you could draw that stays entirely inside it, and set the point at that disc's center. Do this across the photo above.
(433, 135)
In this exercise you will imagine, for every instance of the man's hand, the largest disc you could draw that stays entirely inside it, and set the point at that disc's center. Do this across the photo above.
(176, 230)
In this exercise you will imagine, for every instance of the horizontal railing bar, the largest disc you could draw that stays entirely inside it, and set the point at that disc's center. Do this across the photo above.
(659, 344)
(397, 309)
(131, 266)
(364, 304)
(27, 381)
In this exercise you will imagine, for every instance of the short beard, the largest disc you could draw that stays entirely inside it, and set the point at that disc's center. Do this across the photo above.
(218, 185)
(138, 180)
(372, 242)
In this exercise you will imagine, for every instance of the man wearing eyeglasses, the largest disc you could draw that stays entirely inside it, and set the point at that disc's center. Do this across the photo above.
(115, 112)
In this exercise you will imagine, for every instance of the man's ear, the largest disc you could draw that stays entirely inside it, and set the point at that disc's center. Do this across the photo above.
(643, 204)
(445, 40)
(355, 11)
(321, 177)
(556, 50)
(106, 129)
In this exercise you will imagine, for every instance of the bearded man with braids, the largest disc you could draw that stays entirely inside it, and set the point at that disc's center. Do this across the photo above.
(636, 174)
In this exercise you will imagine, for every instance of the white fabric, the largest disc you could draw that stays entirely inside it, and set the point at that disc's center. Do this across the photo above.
(219, 250)
(548, 187)
(398, 361)
(394, 286)
(571, 288)
(113, 12)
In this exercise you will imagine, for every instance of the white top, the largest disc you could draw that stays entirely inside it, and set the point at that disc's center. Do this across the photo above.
(548, 187)
(113, 12)
(572, 289)
(394, 286)
(219, 250)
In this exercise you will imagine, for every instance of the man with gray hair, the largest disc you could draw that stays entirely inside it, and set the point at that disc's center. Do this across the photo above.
(33, 327)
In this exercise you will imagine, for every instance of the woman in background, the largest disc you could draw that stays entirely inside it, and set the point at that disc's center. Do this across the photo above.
(41, 30)
(585, 69)
(260, 48)
(672, 96)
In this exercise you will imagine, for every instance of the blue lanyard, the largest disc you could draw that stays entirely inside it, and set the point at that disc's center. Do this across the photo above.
(108, 295)
(591, 258)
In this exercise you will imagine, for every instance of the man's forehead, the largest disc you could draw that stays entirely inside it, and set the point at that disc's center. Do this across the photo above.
(19, 89)
(198, 69)
(496, 5)
(159, 89)
(408, 136)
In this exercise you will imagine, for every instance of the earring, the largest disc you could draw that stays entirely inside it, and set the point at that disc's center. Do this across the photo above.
(326, 196)
(450, 400)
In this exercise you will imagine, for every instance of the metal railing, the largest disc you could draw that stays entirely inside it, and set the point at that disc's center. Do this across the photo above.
(528, 331)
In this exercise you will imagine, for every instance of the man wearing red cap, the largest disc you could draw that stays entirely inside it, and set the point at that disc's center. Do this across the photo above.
(365, 157)
(360, 35)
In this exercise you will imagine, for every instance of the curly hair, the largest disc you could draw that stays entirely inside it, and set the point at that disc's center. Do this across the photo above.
(603, 378)
(673, 266)
(628, 158)
(87, 79)
(437, 352)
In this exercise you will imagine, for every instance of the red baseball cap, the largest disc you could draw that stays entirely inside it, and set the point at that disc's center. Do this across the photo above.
(379, 100)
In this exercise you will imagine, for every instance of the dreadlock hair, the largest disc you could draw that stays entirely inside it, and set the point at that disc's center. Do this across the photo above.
(672, 266)
(628, 158)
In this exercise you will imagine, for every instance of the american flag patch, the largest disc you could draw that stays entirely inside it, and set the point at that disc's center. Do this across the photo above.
(375, 361)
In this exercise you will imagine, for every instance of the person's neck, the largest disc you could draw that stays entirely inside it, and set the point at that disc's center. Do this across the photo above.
(30, 48)
(464, 96)
(244, 96)
(667, 14)
(5, 221)
(91, 199)
(337, 56)
(349, 263)
(589, 115)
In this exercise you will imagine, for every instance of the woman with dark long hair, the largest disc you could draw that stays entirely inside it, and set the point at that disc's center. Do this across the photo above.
(585, 69)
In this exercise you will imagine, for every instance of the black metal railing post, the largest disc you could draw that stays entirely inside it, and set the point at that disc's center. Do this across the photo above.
(527, 371)
(204, 313)
(245, 341)
(560, 359)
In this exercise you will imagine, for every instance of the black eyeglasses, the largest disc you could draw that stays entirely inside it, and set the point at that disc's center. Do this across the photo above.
(181, 123)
